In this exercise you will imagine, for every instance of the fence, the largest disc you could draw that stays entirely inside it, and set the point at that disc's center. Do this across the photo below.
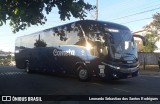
(148, 58)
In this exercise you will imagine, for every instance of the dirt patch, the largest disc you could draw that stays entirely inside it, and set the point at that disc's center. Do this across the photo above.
(150, 67)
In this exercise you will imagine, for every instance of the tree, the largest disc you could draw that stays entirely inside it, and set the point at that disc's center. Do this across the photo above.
(24, 13)
(156, 21)
(152, 35)
(152, 38)
(5, 60)
(40, 43)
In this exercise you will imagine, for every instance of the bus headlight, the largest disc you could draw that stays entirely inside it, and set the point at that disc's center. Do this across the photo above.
(115, 67)
(112, 66)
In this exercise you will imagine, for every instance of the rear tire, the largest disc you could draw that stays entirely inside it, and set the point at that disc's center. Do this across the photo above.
(83, 74)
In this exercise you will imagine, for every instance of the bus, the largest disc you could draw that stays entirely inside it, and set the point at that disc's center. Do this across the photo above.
(84, 48)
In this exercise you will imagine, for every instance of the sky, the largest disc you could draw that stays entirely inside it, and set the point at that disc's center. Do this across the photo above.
(134, 14)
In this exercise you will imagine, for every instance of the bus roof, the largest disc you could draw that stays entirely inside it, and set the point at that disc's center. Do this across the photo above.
(107, 24)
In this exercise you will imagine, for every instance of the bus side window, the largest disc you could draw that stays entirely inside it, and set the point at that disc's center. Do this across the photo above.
(105, 51)
(75, 39)
(17, 44)
(100, 49)
(81, 42)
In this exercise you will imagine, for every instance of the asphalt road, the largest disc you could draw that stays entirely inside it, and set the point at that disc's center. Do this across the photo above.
(15, 81)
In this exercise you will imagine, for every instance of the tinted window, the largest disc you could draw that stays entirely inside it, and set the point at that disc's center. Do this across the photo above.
(75, 37)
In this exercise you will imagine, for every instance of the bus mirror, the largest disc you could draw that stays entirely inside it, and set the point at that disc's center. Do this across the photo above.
(142, 38)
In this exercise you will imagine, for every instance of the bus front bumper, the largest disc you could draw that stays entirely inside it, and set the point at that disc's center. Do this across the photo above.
(119, 73)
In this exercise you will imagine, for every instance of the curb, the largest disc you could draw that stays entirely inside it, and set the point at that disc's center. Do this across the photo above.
(152, 73)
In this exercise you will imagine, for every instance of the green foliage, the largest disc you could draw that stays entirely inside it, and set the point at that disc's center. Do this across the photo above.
(24, 13)
(40, 43)
(156, 21)
(5, 60)
(152, 38)
(152, 35)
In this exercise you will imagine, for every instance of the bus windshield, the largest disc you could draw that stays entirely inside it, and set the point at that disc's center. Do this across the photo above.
(122, 45)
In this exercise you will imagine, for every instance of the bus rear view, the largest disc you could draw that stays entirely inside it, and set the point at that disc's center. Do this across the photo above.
(84, 48)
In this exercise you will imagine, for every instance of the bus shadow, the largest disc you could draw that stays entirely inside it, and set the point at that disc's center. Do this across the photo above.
(93, 79)
(118, 82)
(55, 75)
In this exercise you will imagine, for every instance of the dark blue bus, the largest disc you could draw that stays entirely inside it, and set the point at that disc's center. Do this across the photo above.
(85, 48)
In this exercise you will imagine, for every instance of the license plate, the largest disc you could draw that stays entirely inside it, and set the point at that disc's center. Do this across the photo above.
(129, 62)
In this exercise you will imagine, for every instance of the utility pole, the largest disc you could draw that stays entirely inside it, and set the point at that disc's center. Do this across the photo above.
(96, 9)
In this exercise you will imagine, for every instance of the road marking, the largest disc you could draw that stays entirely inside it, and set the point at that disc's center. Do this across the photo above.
(156, 76)
(121, 90)
(150, 75)
(11, 73)
(97, 84)
(143, 79)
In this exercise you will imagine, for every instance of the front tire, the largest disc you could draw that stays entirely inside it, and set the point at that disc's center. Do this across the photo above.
(83, 74)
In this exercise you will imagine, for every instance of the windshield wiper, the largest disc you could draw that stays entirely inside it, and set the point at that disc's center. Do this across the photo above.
(130, 54)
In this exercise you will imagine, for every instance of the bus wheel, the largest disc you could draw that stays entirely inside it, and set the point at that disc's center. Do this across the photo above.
(28, 67)
(83, 74)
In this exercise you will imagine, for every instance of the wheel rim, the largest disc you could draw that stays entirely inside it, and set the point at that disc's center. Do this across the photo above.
(83, 74)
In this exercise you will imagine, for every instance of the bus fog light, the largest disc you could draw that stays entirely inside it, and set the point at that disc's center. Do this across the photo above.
(115, 76)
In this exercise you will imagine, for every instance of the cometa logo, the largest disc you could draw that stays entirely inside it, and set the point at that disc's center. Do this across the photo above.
(68, 52)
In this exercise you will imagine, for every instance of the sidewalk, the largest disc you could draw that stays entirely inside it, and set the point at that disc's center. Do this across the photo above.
(149, 72)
